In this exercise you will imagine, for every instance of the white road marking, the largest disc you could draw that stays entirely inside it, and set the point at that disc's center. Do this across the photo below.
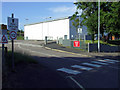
(106, 61)
(111, 60)
(82, 67)
(93, 65)
(69, 71)
(80, 86)
(97, 62)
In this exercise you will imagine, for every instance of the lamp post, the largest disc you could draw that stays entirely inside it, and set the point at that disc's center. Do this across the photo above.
(48, 31)
(98, 25)
(48, 24)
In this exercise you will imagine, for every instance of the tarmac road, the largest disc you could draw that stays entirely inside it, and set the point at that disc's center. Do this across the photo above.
(79, 71)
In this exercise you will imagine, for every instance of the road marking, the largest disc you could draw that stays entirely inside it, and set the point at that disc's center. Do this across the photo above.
(69, 71)
(111, 60)
(106, 61)
(82, 67)
(93, 65)
(80, 86)
(97, 62)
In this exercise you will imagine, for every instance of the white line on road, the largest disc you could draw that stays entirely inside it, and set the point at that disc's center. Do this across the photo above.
(93, 65)
(80, 86)
(82, 67)
(97, 62)
(111, 60)
(106, 61)
(69, 71)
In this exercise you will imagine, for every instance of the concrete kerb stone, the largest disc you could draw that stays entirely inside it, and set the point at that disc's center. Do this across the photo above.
(67, 52)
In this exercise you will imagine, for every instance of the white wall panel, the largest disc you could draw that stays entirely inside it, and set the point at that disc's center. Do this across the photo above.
(56, 28)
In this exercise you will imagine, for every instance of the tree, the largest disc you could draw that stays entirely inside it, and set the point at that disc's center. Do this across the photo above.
(109, 17)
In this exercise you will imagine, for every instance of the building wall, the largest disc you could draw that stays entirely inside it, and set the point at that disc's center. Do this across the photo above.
(74, 30)
(33, 32)
(54, 29)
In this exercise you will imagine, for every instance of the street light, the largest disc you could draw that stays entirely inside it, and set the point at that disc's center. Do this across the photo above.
(98, 25)
(48, 24)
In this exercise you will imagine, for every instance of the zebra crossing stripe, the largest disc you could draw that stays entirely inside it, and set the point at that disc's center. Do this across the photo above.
(97, 62)
(69, 71)
(106, 61)
(93, 65)
(82, 67)
(111, 60)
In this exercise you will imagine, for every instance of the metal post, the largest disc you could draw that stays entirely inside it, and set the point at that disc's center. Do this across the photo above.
(98, 25)
(3, 57)
(79, 28)
(12, 50)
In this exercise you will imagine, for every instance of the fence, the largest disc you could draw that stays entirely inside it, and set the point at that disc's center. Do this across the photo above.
(89, 47)
(70, 43)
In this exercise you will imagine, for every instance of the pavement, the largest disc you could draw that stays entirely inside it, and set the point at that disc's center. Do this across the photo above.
(60, 48)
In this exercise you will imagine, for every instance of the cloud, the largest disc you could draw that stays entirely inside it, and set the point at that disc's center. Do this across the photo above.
(63, 9)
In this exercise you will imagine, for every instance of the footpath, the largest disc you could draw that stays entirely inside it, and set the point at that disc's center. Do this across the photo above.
(60, 48)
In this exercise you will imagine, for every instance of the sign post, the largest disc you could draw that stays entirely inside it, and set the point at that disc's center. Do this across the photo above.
(13, 27)
(3, 40)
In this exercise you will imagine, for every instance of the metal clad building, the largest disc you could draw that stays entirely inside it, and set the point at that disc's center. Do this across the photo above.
(52, 29)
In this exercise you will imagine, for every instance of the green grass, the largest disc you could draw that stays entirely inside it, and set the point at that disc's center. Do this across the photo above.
(19, 58)
(20, 38)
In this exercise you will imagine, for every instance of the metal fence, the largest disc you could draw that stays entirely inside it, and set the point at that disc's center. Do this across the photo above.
(70, 43)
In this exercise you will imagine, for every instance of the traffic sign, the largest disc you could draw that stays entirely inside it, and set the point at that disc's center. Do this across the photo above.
(3, 32)
(13, 35)
(3, 39)
(12, 24)
(76, 44)
(79, 30)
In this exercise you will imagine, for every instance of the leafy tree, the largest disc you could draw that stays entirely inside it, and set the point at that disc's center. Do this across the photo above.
(109, 17)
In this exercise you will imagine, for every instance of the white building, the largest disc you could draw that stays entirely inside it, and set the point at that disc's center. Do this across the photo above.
(53, 29)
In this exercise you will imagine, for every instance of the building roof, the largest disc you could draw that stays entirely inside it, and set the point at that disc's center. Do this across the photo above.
(49, 20)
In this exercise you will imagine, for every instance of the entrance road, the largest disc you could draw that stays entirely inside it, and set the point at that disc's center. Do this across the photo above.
(104, 76)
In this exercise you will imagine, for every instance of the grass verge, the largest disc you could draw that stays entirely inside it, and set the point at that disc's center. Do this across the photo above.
(22, 61)
(18, 59)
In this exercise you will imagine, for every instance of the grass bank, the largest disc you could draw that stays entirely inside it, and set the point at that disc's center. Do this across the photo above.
(19, 59)
(22, 61)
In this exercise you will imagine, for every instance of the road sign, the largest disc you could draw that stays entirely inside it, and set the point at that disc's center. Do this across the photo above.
(76, 44)
(3, 32)
(3, 27)
(79, 30)
(13, 35)
(3, 39)
(12, 24)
